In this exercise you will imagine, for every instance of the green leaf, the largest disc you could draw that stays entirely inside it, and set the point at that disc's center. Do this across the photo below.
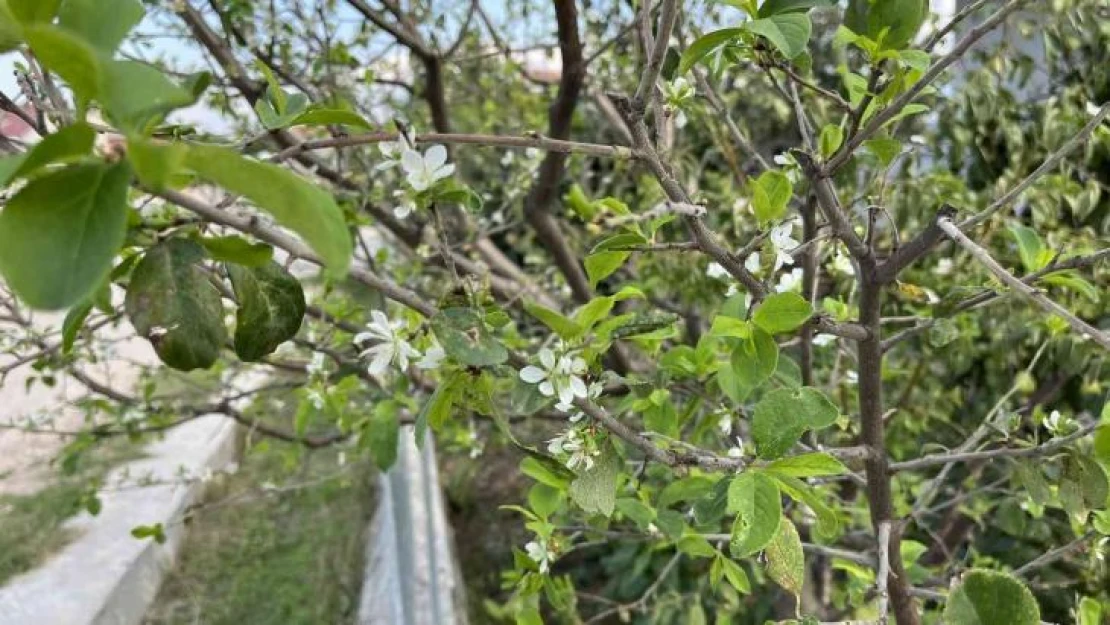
(894, 21)
(135, 93)
(831, 137)
(271, 308)
(752, 363)
(1089, 611)
(383, 433)
(466, 339)
(436, 409)
(785, 559)
(776, 7)
(236, 249)
(808, 465)
(989, 598)
(796, 489)
(783, 415)
(771, 192)
(34, 11)
(59, 234)
(696, 545)
(595, 489)
(554, 320)
(1092, 483)
(73, 322)
(68, 56)
(623, 239)
(754, 499)
(294, 202)
(736, 576)
(728, 326)
(689, 488)
(636, 510)
(600, 265)
(546, 470)
(704, 46)
(1072, 281)
(66, 144)
(789, 32)
(782, 312)
(103, 23)
(1034, 254)
(329, 116)
(544, 500)
(155, 163)
(172, 304)
(884, 149)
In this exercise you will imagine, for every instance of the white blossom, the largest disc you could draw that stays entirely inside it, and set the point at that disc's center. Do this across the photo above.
(751, 263)
(737, 451)
(593, 392)
(316, 365)
(1057, 423)
(782, 243)
(559, 376)
(391, 347)
(405, 207)
(821, 340)
(573, 444)
(715, 270)
(540, 554)
(790, 281)
(433, 357)
(944, 267)
(423, 171)
(842, 264)
(316, 398)
(392, 151)
(724, 424)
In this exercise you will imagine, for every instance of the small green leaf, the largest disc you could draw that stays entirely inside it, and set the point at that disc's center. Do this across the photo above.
(1034, 254)
(832, 135)
(808, 465)
(736, 576)
(466, 339)
(66, 144)
(754, 498)
(728, 326)
(602, 264)
(776, 7)
(73, 322)
(704, 46)
(990, 598)
(1073, 281)
(172, 304)
(796, 489)
(383, 433)
(771, 192)
(271, 308)
(330, 116)
(155, 163)
(294, 202)
(788, 32)
(753, 362)
(785, 559)
(561, 325)
(595, 489)
(103, 23)
(696, 545)
(236, 249)
(636, 510)
(34, 11)
(782, 312)
(59, 234)
(690, 488)
(783, 415)
(135, 93)
(1089, 611)
(436, 409)
(884, 149)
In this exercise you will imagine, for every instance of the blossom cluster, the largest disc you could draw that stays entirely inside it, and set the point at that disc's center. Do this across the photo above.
(389, 345)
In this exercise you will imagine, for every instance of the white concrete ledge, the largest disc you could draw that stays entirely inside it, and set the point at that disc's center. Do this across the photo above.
(104, 576)
(411, 575)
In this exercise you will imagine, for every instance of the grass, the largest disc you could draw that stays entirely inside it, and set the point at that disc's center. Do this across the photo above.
(290, 556)
(32, 527)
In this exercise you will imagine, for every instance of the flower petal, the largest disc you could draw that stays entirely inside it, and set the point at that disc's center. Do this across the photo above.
(411, 161)
(435, 157)
(546, 388)
(532, 374)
